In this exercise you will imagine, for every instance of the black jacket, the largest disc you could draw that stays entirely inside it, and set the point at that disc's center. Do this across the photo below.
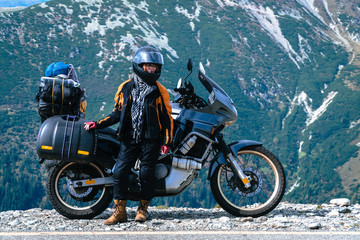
(158, 123)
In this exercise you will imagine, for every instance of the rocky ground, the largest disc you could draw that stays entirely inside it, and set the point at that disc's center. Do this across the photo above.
(335, 216)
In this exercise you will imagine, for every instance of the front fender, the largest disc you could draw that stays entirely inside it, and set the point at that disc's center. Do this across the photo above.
(235, 147)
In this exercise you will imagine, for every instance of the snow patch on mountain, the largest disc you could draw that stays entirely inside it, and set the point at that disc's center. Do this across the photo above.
(294, 186)
(191, 17)
(291, 13)
(94, 26)
(304, 48)
(192, 25)
(127, 39)
(269, 22)
(300, 146)
(43, 5)
(207, 63)
(221, 4)
(145, 30)
(312, 115)
(339, 34)
(354, 123)
(355, 37)
(154, 38)
(90, 2)
(67, 10)
(143, 6)
(227, 3)
(102, 107)
(68, 28)
(197, 37)
(309, 5)
(116, 53)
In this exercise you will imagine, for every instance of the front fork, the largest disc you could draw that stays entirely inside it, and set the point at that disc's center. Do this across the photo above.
(224, 148)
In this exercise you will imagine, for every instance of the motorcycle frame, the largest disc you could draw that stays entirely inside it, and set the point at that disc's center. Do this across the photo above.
(219, 159)
(218, 112)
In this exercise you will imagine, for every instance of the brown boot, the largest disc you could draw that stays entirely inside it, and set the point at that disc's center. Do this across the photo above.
(119, 215)
(141, 211)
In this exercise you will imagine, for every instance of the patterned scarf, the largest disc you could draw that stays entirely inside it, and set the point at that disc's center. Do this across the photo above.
(138, 94)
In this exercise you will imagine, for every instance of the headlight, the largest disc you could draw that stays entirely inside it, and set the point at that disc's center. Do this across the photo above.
(229, 123)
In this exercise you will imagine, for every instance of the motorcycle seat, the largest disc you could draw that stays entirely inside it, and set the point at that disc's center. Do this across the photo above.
(108, 131)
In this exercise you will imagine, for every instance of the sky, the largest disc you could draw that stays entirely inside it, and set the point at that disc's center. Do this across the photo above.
(19, 3)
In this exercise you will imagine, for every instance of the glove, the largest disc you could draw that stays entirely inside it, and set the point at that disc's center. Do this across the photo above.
(89, 125)
(165, 149)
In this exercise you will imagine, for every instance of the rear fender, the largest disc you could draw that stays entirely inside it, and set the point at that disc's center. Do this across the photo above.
(235, 147)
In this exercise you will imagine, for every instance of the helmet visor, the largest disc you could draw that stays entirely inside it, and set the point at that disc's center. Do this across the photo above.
(148, 57)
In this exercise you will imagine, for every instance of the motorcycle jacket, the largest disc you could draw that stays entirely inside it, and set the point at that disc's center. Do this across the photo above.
(158, 123)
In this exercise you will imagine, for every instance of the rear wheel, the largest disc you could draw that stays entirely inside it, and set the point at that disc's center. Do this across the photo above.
(71, 202)
(267, 184)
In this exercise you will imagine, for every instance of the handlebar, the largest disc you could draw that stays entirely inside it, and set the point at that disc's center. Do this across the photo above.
(188, 98)
(187, 90)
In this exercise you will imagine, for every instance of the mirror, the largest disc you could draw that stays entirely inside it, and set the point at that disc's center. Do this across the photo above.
(190, 64)
(179, 84)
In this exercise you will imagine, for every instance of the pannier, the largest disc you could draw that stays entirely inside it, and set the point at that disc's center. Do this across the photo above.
(64, 138)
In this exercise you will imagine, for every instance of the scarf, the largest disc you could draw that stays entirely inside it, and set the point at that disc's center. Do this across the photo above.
(138, 94)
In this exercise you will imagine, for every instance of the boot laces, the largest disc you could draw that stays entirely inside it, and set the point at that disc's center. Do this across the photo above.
(117, 209)
(144, 205)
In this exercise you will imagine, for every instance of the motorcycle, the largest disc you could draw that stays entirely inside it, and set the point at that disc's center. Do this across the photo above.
(245, 178)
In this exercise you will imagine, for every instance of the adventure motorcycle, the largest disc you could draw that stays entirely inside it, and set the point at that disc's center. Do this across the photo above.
(245, 178)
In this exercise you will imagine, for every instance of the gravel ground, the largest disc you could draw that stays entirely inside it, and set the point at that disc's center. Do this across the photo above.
(286, 217)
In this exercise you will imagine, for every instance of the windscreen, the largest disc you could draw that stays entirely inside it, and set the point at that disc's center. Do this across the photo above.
(210, 84)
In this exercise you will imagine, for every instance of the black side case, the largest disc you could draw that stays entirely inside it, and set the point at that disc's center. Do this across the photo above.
(64, 138)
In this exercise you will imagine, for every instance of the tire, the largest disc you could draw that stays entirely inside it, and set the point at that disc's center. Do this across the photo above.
(77, 203)
(267, 185)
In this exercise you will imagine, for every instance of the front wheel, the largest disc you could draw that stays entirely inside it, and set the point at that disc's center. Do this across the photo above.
(72, 202)
(267, 179)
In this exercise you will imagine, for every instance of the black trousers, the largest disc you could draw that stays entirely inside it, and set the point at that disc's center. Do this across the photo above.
(148, 152)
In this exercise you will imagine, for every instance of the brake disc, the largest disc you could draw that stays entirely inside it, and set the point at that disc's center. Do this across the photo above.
(256, 183)
(78, 193)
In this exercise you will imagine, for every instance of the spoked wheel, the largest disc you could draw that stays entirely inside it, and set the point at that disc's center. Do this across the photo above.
(267, 179)
(71, 202)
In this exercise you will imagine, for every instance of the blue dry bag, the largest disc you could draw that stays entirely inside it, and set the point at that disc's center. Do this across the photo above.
(57, 68)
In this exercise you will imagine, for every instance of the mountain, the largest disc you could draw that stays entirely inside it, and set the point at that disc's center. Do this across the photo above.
(291, 67)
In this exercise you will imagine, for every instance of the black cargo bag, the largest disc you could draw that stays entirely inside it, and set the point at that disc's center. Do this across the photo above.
(64, 138)
(58, 96)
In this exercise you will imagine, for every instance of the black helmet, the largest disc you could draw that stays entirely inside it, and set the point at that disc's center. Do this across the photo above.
(147, 55)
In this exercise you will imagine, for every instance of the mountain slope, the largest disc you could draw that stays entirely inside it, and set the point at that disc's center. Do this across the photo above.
(291, 67)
